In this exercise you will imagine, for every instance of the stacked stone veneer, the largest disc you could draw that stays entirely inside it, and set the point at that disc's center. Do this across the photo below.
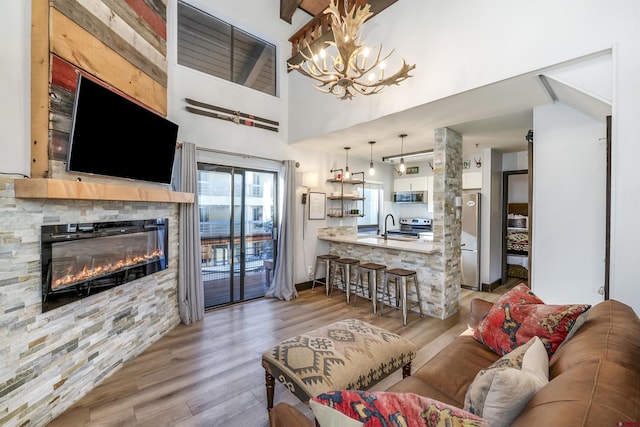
(49, 361)
(447, 227)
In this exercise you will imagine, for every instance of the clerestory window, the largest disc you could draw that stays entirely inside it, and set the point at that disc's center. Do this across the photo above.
(214, 47)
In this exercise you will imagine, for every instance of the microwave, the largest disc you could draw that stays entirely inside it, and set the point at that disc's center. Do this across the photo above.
(410, 197)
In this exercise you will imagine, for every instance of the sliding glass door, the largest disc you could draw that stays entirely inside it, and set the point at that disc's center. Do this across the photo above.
(237, 213)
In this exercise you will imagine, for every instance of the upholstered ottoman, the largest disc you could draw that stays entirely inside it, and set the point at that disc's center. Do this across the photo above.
(349, 354)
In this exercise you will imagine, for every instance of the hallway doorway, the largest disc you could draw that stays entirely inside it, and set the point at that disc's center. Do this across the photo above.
(516, 254)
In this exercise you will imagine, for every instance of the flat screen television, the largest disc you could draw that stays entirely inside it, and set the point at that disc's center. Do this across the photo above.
(113, 136)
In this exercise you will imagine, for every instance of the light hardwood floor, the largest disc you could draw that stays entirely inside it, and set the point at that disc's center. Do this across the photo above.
(210, 373)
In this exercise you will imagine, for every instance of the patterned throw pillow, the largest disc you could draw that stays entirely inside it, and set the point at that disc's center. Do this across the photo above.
(346, 408)
(510, 326)
(500, 392)
(519, 294)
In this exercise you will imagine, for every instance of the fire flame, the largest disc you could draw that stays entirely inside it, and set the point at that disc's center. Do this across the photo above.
(88, 273)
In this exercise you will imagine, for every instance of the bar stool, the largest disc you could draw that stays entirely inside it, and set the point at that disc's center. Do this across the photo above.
(400, 277)
(374, 273)
(344, 265)
(323, 260)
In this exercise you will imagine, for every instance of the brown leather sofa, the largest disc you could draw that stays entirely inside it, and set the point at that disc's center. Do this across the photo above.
(594, 376)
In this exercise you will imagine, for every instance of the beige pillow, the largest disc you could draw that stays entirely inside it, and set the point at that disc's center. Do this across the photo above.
(500, 392)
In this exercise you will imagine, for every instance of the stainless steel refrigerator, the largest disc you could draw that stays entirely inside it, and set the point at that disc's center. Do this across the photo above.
(470, 215)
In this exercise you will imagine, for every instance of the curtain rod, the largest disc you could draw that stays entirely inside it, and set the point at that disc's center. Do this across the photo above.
(231, 153)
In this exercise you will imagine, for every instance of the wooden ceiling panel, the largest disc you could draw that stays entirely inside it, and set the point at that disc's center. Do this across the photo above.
(314, 7)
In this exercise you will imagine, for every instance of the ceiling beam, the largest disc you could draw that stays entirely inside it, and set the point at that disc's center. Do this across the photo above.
(287, 9)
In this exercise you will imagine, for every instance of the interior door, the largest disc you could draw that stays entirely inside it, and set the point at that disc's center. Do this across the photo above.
(237, 208)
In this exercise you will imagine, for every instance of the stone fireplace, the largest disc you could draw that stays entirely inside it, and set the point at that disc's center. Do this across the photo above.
(52, 358)
(82, 259)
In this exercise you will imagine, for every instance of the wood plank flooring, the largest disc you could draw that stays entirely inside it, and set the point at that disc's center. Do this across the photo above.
(210, 373)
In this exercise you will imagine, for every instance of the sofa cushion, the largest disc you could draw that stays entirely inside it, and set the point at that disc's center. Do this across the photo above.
(506, 327)
(352, 408)
(499, 392)
(453, 369)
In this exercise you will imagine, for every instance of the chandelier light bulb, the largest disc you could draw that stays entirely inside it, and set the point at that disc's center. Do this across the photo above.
(347, 174)
(402, 167)
(372, 171)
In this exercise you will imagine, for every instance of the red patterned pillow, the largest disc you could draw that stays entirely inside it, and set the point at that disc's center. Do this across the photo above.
(378, 409)
(512, 325)
(519, 294)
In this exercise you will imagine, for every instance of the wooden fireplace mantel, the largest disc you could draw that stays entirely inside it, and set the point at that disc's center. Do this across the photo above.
(48, 188)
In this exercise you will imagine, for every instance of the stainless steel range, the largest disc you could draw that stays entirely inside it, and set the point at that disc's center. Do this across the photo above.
(413, 227)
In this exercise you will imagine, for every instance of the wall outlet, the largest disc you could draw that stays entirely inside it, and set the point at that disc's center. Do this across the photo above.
(310, 271)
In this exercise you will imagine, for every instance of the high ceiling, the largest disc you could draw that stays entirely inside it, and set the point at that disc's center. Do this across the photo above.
(495, 116)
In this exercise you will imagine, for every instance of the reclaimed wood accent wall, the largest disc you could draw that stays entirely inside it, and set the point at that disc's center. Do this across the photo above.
(121, 43)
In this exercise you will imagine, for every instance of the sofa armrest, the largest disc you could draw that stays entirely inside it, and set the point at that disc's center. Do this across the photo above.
(479, 307)
(285, 415)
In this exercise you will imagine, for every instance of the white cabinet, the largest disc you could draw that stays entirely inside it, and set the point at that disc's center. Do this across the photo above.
(471, 180)
(419, 183)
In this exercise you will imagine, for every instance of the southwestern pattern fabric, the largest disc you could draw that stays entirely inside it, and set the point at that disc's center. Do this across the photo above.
(349, 354)
(388, 409)
(512, 325)
(519, 294)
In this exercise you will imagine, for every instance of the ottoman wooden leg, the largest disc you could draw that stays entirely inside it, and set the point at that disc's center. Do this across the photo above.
(270, 382)
(406, 370)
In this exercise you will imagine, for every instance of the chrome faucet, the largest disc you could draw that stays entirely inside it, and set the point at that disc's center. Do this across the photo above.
(393, 221)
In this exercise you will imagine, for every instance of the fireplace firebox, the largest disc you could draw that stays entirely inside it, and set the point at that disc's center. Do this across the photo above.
(83, 259)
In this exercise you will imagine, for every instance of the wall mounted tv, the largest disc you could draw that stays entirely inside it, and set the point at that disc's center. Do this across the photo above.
(113, 136)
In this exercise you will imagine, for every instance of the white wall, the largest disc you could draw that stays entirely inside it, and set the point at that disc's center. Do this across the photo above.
(15, 51)
(457, 45)
(568, 245)
(518, 191)
(491, 217)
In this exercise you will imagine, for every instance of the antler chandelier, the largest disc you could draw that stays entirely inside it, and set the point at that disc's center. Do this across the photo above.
(349, 71)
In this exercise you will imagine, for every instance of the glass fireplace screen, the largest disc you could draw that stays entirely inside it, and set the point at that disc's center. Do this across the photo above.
(79, 260)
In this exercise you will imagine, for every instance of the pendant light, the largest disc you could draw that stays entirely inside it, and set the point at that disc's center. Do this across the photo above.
(402, 168)
(372, 171)
(347, 174)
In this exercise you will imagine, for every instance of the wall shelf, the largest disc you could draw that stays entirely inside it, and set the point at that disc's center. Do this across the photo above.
(349, 197)
(47, 188)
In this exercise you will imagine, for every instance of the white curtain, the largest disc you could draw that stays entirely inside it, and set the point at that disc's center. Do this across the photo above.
(283, 285)
(190, 289)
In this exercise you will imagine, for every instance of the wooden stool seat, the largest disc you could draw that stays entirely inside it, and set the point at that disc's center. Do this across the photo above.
(401, 272)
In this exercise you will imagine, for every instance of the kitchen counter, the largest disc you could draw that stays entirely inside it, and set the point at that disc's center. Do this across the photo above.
(396, 243)
(396, 252)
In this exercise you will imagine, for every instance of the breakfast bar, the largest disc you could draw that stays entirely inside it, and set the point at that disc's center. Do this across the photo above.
(397, 252)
